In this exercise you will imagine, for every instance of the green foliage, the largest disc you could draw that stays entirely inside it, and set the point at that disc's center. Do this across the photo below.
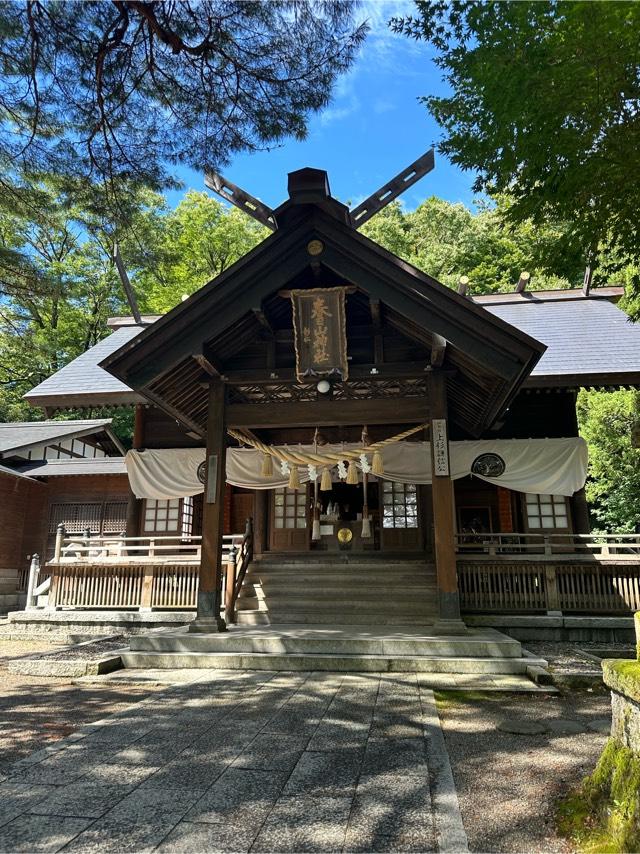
(191, 245)
(613, 487)
(603, 814)
(448, 240)
(544, 106)
(114, 94)
(58, 283)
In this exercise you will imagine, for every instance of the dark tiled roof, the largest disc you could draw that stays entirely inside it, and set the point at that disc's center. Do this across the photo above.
(590, 339)
(21, 435)
(83, 382)
(584, 337)
(53, 468)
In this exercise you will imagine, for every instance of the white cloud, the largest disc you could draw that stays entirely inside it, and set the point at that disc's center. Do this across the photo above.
(339, 111)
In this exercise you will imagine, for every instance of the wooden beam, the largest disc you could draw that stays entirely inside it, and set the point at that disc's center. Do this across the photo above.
(286, 293)
(463, 285)
(438, 350)
(523, 281)
(263, 320)
(241, 199)
(393, 188)
(378, 339)
(208, 618)
(325, 413)
(206, 365)
(389, 370)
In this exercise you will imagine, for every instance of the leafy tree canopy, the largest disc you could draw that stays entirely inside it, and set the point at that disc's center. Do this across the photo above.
(449, 240)
(544, 106)
(613, 489)
(117, 92)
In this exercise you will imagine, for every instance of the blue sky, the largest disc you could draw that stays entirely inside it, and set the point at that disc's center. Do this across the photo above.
(372, 129)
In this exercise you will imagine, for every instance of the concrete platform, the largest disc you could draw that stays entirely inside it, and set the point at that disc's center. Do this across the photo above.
(332, 648)
(59, 625)
(561, 627)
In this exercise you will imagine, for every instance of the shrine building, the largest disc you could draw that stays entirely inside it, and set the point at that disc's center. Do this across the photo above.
(359, 414)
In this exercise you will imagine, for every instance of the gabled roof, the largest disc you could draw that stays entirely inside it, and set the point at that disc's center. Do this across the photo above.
(21, 436)
(491, 357)
(71, 468)
(83, 383)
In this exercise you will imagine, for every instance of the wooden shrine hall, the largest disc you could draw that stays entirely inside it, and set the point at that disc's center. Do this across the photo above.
(321, 343)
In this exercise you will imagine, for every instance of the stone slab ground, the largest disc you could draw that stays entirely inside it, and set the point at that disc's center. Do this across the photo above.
(239, 761)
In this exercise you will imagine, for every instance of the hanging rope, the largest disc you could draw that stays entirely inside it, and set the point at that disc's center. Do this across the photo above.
(329, 458)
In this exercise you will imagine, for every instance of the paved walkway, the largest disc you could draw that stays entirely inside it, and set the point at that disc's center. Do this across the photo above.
(246, 761)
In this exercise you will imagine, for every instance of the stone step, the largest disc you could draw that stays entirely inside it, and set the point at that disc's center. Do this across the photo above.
(335, 605)
(353, 558)
(329, 584)
(394, 569)
(330, 618)
(339, 663)
(305, 642)
(322, 593)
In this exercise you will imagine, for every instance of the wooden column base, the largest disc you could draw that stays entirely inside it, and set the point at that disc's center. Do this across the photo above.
(209, 618)
(449, 621)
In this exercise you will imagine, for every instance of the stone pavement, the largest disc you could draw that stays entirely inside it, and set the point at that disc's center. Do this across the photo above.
(246, 761)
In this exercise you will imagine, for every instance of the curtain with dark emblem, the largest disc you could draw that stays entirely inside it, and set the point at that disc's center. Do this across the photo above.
(320, 333)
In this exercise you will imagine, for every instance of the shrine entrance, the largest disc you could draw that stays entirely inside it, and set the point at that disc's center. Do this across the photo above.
(396, 514)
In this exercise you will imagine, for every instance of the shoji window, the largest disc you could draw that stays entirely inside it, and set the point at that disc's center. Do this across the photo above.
(547, 511)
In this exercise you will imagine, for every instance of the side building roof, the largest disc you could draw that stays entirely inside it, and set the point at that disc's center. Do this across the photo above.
(590, 342)
(21, 436)
(83, 383)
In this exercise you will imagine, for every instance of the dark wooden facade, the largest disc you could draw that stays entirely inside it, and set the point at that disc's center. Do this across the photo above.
(417, 351)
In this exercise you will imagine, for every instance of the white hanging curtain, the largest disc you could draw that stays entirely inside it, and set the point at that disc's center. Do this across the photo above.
(539, 466)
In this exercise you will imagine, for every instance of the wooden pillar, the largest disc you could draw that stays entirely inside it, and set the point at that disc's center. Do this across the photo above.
(580, 512)
(134, 505)
(208, 617)
(443, 511)
(260, 536)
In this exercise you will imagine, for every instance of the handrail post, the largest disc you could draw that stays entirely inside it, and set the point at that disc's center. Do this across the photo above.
(547, 544)
(552, 593)
(60, 533)
(230, 586)
(34, 570)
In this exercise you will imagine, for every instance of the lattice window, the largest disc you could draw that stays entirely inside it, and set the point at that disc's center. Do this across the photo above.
(115, 517)
(290, 508)
(399, 505)
(77, 517)
(162, 516)
(547, 511)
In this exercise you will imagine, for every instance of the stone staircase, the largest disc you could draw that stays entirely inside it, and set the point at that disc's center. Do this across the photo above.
(337, 613)
(338, 590)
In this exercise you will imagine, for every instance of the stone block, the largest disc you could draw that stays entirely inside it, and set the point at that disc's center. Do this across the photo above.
(107, 836)
(305, 824)
(31, 833)
(332, 774)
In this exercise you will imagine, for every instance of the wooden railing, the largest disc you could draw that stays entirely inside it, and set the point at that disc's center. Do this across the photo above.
(600, 545)
(237, 566)
(144, 573)
(573, 584)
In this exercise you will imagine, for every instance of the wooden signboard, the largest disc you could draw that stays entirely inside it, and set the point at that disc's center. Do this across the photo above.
(319, 324)
(440, 447)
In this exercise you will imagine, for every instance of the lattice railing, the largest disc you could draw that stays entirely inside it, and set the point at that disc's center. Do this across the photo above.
(588, 587)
